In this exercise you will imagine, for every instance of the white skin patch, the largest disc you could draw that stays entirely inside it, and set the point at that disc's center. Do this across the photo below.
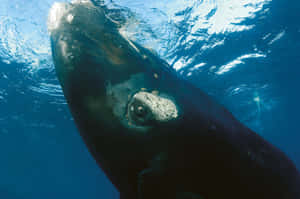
(65, 51)
(70, 18)
(56, 13)
(63, 46)
(80, 1)
(163, 109)
(59, 10)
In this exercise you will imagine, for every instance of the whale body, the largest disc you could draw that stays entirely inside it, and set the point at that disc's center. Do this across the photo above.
(154, 134)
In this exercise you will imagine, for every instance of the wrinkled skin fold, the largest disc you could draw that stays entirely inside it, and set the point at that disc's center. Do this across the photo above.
(154, 134)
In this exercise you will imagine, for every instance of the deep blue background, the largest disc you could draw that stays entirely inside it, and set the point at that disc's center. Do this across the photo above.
(43, 156)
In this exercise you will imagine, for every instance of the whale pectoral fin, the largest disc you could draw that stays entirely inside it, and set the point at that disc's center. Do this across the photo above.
(188, 195)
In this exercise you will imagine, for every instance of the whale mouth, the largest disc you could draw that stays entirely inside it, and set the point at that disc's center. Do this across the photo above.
(145, 108)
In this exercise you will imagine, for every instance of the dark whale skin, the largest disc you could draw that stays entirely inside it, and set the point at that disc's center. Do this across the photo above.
(204, 153)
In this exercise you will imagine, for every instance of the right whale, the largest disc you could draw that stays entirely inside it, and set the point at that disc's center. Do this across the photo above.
(155, 135)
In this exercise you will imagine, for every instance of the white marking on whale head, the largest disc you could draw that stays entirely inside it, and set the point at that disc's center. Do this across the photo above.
(66, 50)
(70, 18)
(60, 10)
(56, 13)
(80, 1)
(163, 109)
(63, 45)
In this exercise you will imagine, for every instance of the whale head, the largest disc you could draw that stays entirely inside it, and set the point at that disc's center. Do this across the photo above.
(128, 104)
(106, 75)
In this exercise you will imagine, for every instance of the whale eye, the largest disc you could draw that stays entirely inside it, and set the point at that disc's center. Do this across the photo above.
(139, 112)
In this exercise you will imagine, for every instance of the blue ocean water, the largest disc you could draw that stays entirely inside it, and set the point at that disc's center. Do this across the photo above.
(245, 53)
